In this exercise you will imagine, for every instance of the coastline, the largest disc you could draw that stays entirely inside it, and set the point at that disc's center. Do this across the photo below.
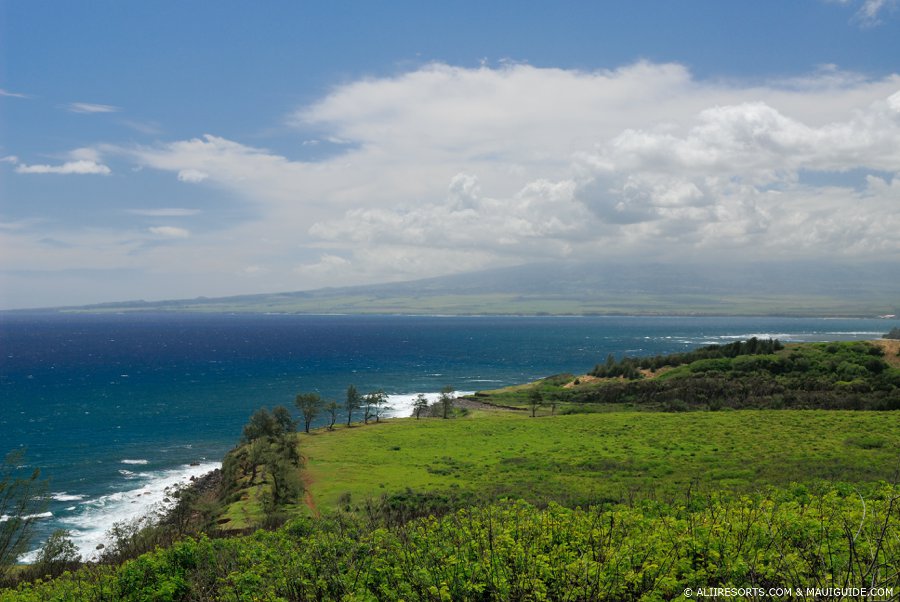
(90, 519)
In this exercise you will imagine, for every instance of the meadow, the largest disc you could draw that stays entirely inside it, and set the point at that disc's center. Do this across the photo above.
(596, 458)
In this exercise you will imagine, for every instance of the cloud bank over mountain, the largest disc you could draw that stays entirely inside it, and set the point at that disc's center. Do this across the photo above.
(442, 169)
(446, 168)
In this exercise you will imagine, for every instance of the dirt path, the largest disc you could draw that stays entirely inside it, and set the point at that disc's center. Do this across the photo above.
(307, 493)
(474, 404)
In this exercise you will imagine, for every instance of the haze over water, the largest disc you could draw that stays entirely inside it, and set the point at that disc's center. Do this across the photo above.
(114, 408)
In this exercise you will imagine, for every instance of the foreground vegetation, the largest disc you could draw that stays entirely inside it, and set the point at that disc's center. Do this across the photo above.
(514, 551)
(579, 495)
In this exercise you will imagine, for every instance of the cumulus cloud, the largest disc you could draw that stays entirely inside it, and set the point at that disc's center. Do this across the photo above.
(446, 168)
(169, 232)
(732, 181)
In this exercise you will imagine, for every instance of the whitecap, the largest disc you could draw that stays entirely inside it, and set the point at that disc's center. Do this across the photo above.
(5, 517)
(140, 461)
(150, 492)
(62, 496)
(401, 405)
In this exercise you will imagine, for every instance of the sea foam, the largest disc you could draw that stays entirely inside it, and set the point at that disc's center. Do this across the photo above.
(92, 518)
(401, 405)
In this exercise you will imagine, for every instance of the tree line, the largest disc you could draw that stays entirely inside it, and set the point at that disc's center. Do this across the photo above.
(630, 367)
(850, 375)
(371, 406)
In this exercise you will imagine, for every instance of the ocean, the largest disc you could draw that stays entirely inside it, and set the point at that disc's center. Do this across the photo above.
(115, 408)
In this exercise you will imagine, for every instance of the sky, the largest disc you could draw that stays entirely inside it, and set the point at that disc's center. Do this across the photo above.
(165, 150)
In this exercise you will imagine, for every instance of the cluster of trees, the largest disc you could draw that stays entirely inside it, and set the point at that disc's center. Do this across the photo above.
(824, 375)
(372, 406)
(269, 455)
(630, 367)
(894, 333)
(442, 408)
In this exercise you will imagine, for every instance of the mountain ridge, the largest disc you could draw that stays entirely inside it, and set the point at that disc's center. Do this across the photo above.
(576, 288)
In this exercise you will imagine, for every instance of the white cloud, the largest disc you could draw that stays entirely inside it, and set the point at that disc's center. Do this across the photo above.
(169, 232)
(192, 175)
(81, 167)
(445, 169)
(87, 107)
(83, 161)
(870, 13)
(9, 94)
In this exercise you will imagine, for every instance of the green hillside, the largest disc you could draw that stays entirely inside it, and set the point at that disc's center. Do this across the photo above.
(582, 288)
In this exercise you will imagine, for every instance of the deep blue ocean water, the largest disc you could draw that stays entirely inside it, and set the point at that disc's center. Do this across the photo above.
(113, 408)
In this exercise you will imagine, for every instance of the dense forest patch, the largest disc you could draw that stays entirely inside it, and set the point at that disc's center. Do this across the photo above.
(761, 374)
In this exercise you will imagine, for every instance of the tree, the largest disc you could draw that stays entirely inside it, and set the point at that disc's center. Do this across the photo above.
(262, 425)
(332, 407)
(57, 555)
(309, 405)
(375, 403)
(282, 462)
(535, 400)
(352, 404)
(420, 405)
(22, 498)
(446, 400)
(283, 418)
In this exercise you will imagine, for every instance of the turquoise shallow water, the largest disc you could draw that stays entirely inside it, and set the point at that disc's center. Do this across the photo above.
(114, 408)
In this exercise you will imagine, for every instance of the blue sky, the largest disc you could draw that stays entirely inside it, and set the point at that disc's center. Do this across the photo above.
(175, 149)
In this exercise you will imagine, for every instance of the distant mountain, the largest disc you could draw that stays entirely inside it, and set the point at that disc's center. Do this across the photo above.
(592, 288)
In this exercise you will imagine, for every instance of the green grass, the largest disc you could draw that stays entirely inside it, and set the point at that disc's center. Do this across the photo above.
(600, 457)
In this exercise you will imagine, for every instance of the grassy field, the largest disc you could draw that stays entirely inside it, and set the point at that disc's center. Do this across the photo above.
(599, 457)
(578, 451)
